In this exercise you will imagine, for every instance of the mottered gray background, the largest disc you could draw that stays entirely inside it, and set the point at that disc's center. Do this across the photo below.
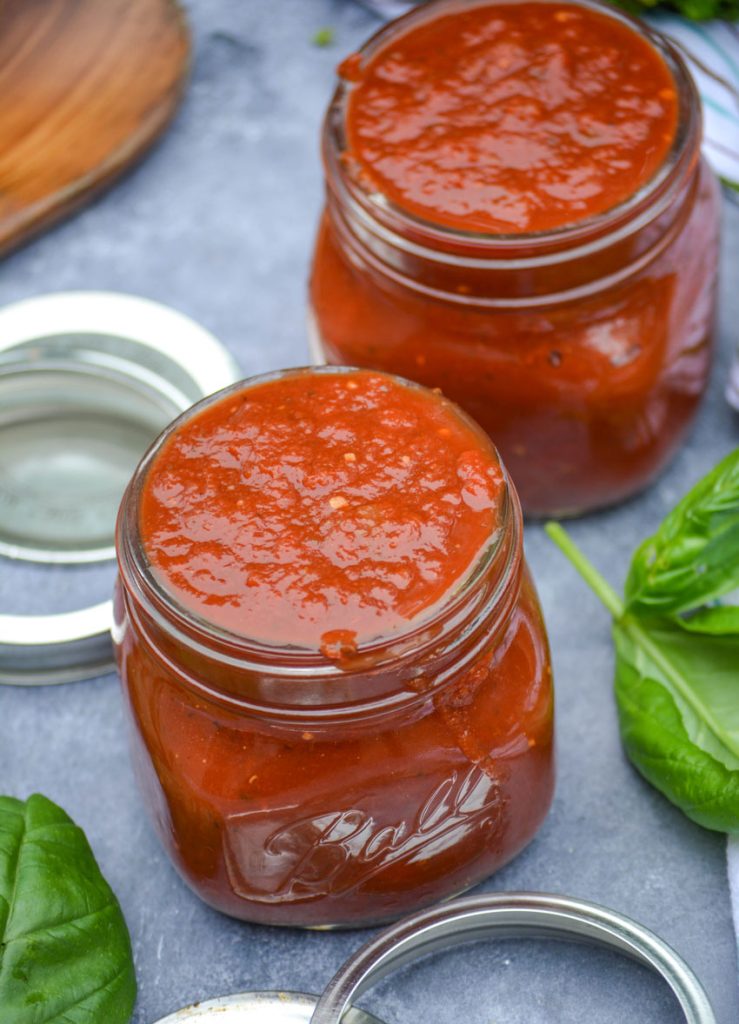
(218, 222)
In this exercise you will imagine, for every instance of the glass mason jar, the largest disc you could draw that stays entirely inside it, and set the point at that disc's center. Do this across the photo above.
(583, 351)
(290, 791)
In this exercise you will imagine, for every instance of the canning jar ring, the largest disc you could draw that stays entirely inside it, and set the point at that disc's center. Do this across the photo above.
(511, 915)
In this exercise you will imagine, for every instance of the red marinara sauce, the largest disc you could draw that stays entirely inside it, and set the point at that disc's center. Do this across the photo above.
(336, 670)
(517, 211)
(321, 507)
(511, 118)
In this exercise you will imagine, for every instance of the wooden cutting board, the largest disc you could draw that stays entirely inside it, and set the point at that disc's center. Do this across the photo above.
(85, 87)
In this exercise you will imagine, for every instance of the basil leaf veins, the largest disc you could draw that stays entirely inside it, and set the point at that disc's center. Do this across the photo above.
(65, 951)
(677, 651)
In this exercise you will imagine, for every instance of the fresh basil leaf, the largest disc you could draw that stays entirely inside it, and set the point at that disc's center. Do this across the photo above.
(717, 621)
(701, 674)
(658, 745)
(323, 37)
(677, 660)
(693, 557)
(65, 952)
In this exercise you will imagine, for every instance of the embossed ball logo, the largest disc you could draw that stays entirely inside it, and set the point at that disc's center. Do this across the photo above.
(339, 850)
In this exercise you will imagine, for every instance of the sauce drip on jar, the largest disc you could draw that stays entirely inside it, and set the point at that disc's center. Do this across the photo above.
(511, 118)
(320, 509)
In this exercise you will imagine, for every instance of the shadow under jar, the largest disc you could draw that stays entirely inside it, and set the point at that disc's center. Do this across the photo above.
(335, 667)
(517, 211)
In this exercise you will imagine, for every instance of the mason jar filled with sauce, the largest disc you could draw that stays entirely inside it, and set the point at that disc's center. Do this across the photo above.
(517, 211)
(334, 662)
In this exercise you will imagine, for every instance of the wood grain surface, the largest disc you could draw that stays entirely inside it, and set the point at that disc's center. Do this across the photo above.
(85, 87)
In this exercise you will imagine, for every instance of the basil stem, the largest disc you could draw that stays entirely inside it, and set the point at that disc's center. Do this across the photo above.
(587, 570)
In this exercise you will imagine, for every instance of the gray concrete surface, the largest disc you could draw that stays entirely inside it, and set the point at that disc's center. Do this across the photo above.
(218, 222)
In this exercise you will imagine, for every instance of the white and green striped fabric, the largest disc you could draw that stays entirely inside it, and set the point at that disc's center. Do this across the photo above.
(712, 51)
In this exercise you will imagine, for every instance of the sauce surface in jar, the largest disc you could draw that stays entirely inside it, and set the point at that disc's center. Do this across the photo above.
(334, 662)
(511, 118)
(320, 509)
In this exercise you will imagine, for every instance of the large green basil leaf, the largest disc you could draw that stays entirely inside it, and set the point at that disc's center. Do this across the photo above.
(694, 555)
(65, 952)
(658, 745)
(679, 713)
(677, 652)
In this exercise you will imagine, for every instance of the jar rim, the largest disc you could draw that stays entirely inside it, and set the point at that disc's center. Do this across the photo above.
(587, 234)
(249, 653)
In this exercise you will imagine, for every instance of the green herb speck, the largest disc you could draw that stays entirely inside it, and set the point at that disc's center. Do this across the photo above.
(323, 37)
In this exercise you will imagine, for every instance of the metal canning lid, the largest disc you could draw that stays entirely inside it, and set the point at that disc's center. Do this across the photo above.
(510, 915)
(87, 381)
(259, 1008)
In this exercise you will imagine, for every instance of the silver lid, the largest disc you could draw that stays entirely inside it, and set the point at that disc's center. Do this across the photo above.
(87, 381)
(259, 1008)
(533, 915)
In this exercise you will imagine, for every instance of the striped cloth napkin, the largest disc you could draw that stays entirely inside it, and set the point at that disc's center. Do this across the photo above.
(712, 51)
